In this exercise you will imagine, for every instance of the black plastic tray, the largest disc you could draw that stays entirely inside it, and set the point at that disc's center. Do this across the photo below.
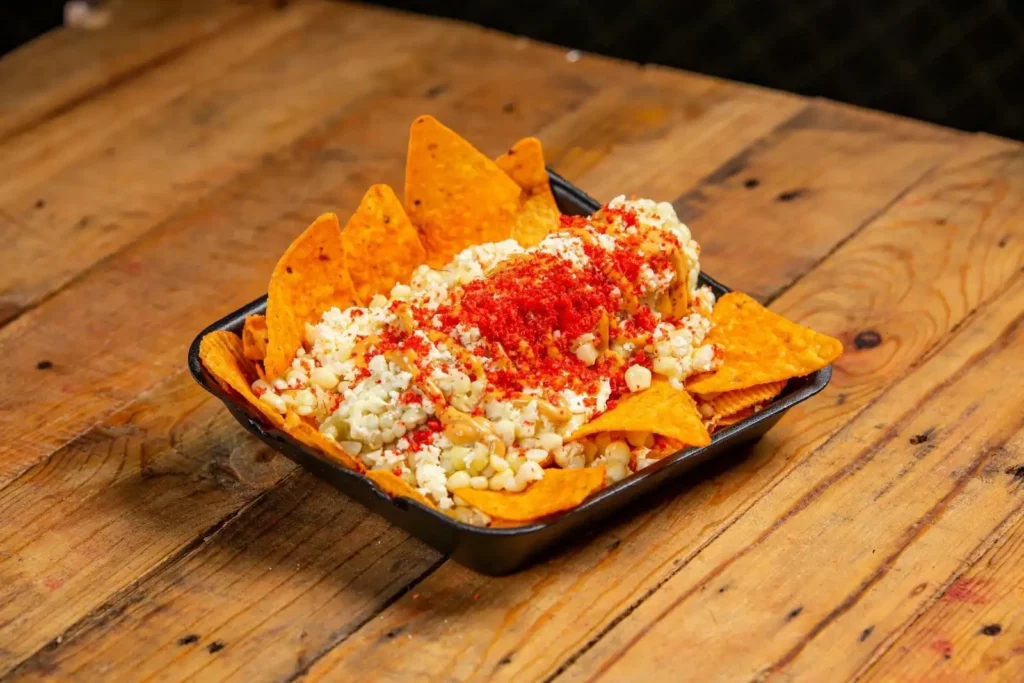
(505, 550)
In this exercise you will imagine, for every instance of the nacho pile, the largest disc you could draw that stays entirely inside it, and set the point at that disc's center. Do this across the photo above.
(472, 349)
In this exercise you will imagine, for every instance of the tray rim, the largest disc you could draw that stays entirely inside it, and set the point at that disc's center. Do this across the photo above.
(813, 384)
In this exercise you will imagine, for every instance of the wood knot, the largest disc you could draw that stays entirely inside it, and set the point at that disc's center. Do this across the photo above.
(790, 195)
(991, 630)
(868, 339)
(44, 365)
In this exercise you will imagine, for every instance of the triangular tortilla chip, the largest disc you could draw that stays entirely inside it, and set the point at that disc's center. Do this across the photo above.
(759, 347)
(254, 337)
(661, 409)
(535, 220)
(309, 279)
(307, 434)
(396, 487)
(539, 213)
(559, 490)
(222, 355)
(454, 195)
(381, 245)
(524, 164)
(732, 402)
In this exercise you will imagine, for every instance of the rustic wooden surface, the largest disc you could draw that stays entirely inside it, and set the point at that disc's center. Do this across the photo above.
(152, 172)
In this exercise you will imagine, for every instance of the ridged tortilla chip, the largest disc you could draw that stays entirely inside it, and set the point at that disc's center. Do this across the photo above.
(307, 434)
(454, 195)
(736, 417)
(309, 279)
(381, 245)
(760, 347)
(538, 215)
(396, 487)
(254, 337)
(731, 402)
(662, 409)
(558, 491)
(222, 355)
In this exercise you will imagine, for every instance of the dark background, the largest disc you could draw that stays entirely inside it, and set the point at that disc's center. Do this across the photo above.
(958, 63)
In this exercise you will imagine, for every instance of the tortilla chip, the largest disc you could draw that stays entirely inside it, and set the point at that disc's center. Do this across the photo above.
(537, 217)
(381, 245)
(524, 164)
(559, 490)
(664, 447)
(222, 355)
(736, 417)
(760, 347)
(662, 409)
(539, 213)
(309, 435)
(396, 487)
(254, 337)
(309, 279)
(454, 195)
(732, 402)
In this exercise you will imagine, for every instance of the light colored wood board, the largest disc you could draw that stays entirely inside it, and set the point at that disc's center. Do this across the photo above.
(884, 516)
(129, 495)
(105, 125)
(802, 187)
(212, 258)
(65, 67)
(973, 632)
(660, 136)
(868, 517)
(357, 127)
(320, 172)
(172, 156)
(299, 569)
(538, 620)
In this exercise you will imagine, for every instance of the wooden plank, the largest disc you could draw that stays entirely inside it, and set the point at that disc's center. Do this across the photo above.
(101, 551)
(973, 632)
(542, 620)
(216, 256)
(128, 175)
(300, 568)
(870, 513)
(250, 627)
(65, 67)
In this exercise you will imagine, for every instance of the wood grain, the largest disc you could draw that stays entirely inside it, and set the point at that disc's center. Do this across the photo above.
(118, 180)
(248, 650)
(541, 620)
(64, 67)
(231, 240)
(170, 159)
(812, 527)
(973, 631)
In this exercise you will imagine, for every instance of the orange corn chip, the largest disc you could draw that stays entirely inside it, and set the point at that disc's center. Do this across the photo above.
(661, 409)
(254, 337)
(537, 217)
(396, 487)
(309, 279)
(524, 163)
(731, 402)
(381, 245)
(736, 417)
(222, 355)
(454, 195)
(559, 490)
(307, 434)
(760, 347)
(539, 213)
(664, 447)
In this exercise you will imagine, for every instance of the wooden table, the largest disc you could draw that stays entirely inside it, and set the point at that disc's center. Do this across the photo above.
(151, 174)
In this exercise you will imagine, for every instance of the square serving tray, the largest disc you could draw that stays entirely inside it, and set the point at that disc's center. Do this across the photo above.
(502, 551)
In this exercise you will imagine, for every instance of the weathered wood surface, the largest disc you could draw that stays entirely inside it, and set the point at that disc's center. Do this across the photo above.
(169, 159)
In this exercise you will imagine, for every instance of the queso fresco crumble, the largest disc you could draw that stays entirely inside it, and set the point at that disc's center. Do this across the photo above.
(477, 374)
